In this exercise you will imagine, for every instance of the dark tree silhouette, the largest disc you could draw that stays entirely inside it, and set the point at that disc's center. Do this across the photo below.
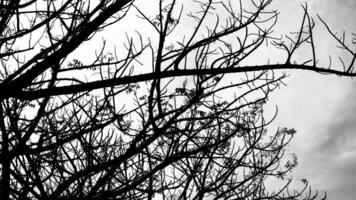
(176, 112)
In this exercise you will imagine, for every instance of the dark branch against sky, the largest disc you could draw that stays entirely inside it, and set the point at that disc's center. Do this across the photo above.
(322, 109)
(55, 81)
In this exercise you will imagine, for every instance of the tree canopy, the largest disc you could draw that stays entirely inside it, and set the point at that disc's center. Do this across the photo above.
(172, 110)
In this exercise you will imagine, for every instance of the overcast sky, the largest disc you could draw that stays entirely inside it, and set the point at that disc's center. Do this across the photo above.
(322, 108)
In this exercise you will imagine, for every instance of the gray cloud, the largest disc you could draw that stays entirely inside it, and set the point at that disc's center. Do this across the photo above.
(341, 132)
(322, 108)
(331, 163)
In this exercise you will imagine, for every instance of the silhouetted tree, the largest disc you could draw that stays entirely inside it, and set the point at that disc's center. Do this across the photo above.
(176, 112)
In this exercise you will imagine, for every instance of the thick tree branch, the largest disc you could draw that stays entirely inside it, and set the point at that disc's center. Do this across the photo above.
(72, 89)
